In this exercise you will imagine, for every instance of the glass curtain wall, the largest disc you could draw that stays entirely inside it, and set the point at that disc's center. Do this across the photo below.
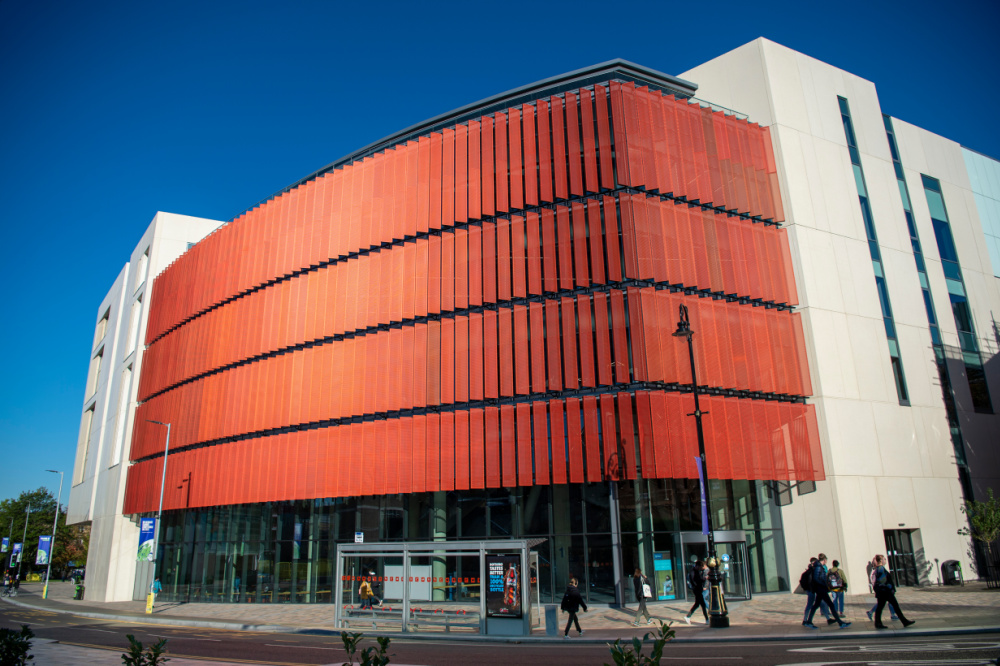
(283, 552)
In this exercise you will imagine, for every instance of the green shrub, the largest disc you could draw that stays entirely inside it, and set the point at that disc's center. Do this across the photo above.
(150, 656)
(631, 655)
(14, 646)
(368, 656)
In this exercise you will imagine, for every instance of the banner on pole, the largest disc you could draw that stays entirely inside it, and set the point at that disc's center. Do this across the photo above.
(44, 549)
(147, 535)
(704, 497)
(15, 555)
(5, 545)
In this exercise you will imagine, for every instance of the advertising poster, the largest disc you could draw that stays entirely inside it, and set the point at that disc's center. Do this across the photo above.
(5, 545)
(147, 533)
(503, 586)
(663, 576)
(15, 555)
(44, 549)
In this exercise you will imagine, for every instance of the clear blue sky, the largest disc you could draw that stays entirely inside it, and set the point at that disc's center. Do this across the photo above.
(110, 111)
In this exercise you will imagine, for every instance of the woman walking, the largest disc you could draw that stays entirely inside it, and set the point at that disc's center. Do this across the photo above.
(643, 591)
(571, 603)
(885, 593)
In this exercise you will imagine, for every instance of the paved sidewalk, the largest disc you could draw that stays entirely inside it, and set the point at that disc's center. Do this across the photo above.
(937, 610)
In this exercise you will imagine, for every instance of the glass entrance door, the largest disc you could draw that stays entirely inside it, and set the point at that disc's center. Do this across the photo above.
(732, 565)
(902, 562)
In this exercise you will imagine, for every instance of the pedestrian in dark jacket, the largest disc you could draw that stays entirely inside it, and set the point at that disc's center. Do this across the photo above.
(639, 581)
(821, 588)
(572, 603)
(811, 597)
(698, 583)
(885, 592)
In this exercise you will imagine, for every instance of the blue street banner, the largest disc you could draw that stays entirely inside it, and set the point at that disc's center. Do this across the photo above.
(44, 549)
(704, 499)
(15, 555)
(147, 534)
(5, 545)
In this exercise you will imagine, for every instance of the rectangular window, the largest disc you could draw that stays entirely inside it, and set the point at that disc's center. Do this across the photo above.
(873, 251)
(83, 445)
(121, 416)
(140, 270)
(133, 327)
(94, 373)
(102, 328)
(960, 307)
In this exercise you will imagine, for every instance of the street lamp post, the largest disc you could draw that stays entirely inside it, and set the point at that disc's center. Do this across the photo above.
(719, 617)
(52, 544)
(159, 518)
(20, 556)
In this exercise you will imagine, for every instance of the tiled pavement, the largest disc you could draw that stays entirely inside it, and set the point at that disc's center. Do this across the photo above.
(937, 610)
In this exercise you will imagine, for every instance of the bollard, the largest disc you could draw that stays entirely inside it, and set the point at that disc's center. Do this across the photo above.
(551, 620)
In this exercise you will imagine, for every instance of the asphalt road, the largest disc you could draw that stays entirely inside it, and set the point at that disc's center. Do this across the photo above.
(293, 649)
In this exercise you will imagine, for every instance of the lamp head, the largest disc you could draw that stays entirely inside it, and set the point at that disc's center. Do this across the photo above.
(684, 324)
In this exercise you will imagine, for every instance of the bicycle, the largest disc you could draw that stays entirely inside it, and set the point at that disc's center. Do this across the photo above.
(9, 591)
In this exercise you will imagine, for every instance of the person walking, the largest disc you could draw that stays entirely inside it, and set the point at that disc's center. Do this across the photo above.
(820, 585)
(885, 592)
(838, 585)
(643, 590)
(805, 581)
(871, 585)
(698, 584)
(365, 592)
(572, 603)
(375, 586)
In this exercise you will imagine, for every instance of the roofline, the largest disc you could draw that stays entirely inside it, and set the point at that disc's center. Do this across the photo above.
(608, 69)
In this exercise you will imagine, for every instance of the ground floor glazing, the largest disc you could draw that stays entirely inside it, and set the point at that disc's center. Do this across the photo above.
(284, 552)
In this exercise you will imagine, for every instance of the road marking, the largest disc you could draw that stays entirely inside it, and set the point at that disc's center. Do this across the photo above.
(304, 647)
(908, 662)
(902, 647)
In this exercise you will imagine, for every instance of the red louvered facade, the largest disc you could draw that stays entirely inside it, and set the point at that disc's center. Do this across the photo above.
(488, 304)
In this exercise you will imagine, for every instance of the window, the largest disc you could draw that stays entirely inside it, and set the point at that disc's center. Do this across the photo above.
(960, 308)
(83, 445)
(102, 327)
(133, 327)
(873, 248)
(121, 416)
(94, 373)
(140, 270)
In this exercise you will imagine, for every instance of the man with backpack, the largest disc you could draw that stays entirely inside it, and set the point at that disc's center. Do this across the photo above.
(821, 590)
(805, 582)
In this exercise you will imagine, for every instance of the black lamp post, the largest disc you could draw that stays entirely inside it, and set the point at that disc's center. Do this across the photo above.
(718, 615)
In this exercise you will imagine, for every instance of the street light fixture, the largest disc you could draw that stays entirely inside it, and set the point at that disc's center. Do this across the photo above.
(52, 544)
(719, 617)
(159, 518)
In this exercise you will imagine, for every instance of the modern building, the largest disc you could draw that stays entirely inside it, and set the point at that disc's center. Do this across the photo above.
(465, 331)
(108, 411)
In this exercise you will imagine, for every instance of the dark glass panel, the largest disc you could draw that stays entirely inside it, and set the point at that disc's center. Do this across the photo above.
(897, 371)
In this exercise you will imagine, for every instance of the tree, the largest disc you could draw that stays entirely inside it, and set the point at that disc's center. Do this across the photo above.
(984, 522)
(71, 541)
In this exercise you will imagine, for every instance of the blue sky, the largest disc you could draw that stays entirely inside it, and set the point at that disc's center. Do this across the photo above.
(110, 111)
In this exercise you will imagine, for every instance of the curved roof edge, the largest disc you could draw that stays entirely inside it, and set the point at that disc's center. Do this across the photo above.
(617, 68)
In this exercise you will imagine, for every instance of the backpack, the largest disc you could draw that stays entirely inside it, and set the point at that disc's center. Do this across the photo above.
(805, 580)
(834, 581)
(565, 602)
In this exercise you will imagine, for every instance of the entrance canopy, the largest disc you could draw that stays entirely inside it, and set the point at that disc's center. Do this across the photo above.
(435, 586)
